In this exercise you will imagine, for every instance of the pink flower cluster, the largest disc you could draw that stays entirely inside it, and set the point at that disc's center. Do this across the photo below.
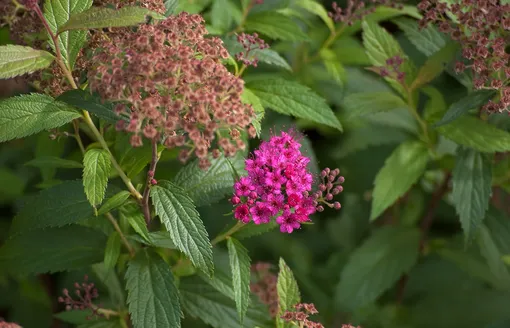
(278, 185)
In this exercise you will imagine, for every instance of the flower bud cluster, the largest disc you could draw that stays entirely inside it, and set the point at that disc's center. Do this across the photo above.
(264, 286)
(250, 42)
(170, 80)
(300, 315)
(330, 187)
(357, 10)
(482, 28)
(392, 69)
(86, 293)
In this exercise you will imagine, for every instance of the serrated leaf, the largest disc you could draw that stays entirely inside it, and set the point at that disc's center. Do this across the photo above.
(287, 287)
(57, 13)
(317, 9)
(209, 186)
(427, 40)
(57, 206)
(18, 60)
(177, 212)
(134, 216)
(96, 170)
(115, 201)
(474, 100)
(400, 171)
(112, 283)
(367, 103)
(252, 229)
(153, 298)
(472, 181)
(493, 256)
(477, 134)
(292, 98)
(380, 46)
(333, 66)
(156, 239)
(53, 249)
(376, 265)
(84, 100)
(275, 25)
(28, 114)
(435, 65)
(170, 6)
(112, 251)
(201, 300)
(54, 162)
(102, 17)
(248, 97)
(240, 266)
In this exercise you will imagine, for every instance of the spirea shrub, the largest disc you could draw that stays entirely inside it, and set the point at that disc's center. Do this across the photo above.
(254, 163)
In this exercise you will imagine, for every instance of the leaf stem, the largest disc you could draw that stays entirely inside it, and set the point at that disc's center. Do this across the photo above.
(122, 236)
(107, 312)
(150, 175)
(77, 136)
(239, 225)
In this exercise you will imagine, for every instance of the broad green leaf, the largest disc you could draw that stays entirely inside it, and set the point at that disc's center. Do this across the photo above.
(96, 170)
(57, 206)
(400, 171)
(471, 191)
(435, 65)
(240, 266)
(477, 134)
(53, 249)
(115, 201)
(209, 186)
(350, 51)
(54, 162)
(153, 298)
(292, 98)
(288, 290)
(28, 114)
(376, 265)
(156, 239)
(435, 106)
(252, 229)
(57, 13)
(74, 317)
(473, 100)
(493, 256)
(221, 17)
(380, 46)
(333, 66)
(84, 100)
(112, 251)
(112, 284)
(275, 25)
(367, 103)
(249, 97)
(317, 9)
(18, 60)
(201, 300)
(177, 212)
(101, 17)
(133, 214)
(427, 40)
(170, 6)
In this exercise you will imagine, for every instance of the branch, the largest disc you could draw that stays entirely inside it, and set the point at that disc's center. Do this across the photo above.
(150, 181)
(122, 237)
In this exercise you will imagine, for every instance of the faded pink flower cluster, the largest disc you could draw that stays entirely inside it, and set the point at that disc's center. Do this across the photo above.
(4, 324)
(250, 42)
(264, 286)
(86, 293)
(357, 10)
(301, 314)
(279, 185)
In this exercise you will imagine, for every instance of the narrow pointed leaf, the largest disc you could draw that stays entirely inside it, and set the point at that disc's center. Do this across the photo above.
(115, 201)
(240, 266)
(132, 213)
(367, 103)
(84, 100)
(473, 100)
(18, 60)
(112, 251)
(288, 290)
(275, 25)
(54, 162)
(96, 170)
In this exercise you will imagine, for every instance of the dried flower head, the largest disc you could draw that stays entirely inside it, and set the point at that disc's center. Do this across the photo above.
(357, 9)
(264, 286)
(174, 87)
(482, 29)
(4, 324)
(300, 315)
(250, 42)
(85, 293)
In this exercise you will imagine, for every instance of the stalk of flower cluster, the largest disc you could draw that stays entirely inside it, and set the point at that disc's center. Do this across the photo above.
(121, 234)
(86, 116)
(150, 182)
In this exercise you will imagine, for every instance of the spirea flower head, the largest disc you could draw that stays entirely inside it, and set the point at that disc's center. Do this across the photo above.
(250, 42)
(278, 185)
(357, 9)
(175, 88)
(300, 315)
(85, 292)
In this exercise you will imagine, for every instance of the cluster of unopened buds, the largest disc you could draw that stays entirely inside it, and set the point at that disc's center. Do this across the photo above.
(250, 42)
(264, 286)
(279, 184)
(392, 69)
(357, 9)
(301, 314)
(86, 293)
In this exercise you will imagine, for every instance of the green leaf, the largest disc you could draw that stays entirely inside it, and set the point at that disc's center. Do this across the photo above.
(96, 170)
(493, 256)
(28, 114)
(380, 46)
(57, 13)
(101, 17)
(132, 214)
(201, 300)
(435, 65)
(53, 249)
(156, 239)
(473, 100)
(376, 265)
(240, 266)
(472, 180)
(350, 51)
(317, 9)
(170, 6)
(209, 186)
(153, 298)
(333, 66)
(400, 171)
(57, 206)
(84, 100)
(112, 283)
(477, 134)
(288, 290)
(248, 97)
(74, 317)
(275, 25)
(252, 229)
(112, 251)
(292, 98)
(367, 103)
(427, 40)
(221, 17)
(54, 162)
(177, 212)
(18, 60)
(115, 201)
